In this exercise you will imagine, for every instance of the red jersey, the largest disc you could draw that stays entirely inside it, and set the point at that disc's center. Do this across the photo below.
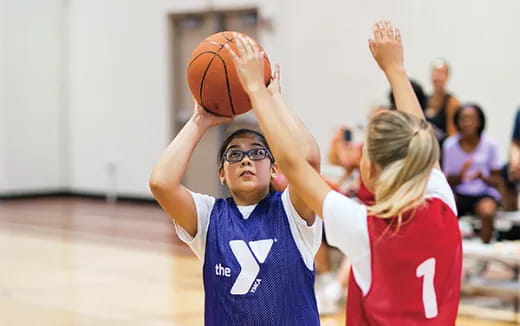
(364, 195)
(405, 276)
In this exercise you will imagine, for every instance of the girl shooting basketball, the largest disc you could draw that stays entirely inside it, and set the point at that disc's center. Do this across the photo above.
(257, 247)
(406, 248)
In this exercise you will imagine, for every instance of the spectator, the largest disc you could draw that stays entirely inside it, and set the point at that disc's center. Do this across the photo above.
(419, 92)
(441, 105)
(470, 161)
(511, 171)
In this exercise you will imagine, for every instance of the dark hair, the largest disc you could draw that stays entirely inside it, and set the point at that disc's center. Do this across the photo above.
(480, 113)
(239, 132)
(419, 92)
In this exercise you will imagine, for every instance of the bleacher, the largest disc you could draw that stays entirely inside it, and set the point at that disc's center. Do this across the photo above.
(504, 282)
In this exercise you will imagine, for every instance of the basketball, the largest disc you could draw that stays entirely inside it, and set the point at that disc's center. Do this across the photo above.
(213, 79)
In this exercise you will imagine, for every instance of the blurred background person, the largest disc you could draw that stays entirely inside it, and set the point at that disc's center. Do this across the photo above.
(419, 92)
(331, 281)
(511, 170)
(441, 105)
(472, 166)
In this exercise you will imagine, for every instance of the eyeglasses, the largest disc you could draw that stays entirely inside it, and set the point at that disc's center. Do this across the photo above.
(236, 155)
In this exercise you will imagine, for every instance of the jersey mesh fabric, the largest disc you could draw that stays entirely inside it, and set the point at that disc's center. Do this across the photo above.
(282, 293)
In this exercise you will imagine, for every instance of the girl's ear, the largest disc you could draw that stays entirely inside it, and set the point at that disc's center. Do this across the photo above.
(221, 175)
(278, 180)
(274, 171)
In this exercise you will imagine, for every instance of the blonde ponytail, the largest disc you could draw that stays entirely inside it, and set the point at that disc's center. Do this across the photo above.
(405, 150)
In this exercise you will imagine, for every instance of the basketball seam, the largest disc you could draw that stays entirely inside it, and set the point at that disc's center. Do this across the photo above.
(214, 42)
(204, 77)
(230, 98)
(198, 56)
(209, 41)
(228, 86)
(227, 79)
(215, 54)
(228, 39)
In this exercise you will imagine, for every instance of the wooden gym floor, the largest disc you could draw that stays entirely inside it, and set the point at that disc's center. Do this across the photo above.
(79, 262)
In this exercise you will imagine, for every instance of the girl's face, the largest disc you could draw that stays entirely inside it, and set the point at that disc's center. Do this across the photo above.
(440, 77)
(247, 166)
(469, 121)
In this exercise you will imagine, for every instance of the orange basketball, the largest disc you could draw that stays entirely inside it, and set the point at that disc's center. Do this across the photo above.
(213, 79)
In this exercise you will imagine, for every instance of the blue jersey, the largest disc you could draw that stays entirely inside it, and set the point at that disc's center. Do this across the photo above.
(253, 271)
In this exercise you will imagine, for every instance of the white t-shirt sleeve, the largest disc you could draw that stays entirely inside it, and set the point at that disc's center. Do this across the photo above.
(439, 187)
(346, 227)
(204, 205)
(307, 238)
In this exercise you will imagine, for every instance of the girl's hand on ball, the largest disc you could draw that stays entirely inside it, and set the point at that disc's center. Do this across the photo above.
(274, 87)
(249, 63)
(206, 118)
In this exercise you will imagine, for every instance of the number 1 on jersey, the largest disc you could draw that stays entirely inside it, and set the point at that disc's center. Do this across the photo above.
(427, 271)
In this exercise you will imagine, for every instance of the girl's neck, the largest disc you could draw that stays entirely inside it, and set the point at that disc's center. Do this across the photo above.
(248, 198)
(469, 142)
(439, 93)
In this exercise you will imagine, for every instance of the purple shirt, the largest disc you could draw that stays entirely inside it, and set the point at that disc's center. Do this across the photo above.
(484, 158)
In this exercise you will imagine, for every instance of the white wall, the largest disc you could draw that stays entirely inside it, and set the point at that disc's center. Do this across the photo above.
(118, 83)
(333, 68)
(119, 100)
(120, 91)
(3, 111)
(32, 156)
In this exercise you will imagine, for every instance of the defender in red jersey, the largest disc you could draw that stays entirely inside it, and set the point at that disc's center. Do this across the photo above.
(405, 247)
(406, 275)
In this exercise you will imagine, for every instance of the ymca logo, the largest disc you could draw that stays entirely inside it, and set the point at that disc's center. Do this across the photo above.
(248, 264)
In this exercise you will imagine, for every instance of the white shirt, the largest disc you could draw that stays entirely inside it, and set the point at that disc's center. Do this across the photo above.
(346, 225)
(307, 238)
